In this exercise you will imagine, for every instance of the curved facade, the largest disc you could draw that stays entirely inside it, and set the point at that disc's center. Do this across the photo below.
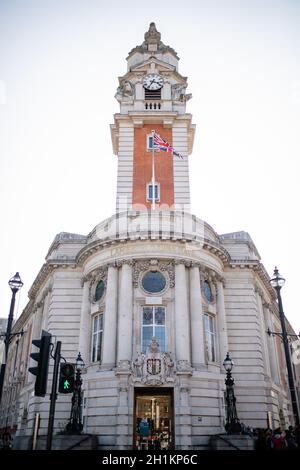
(153, 297)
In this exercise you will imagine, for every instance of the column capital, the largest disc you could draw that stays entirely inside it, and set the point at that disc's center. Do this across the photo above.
(195, 264)
(121, 262)
(112, 264)
(184, 262)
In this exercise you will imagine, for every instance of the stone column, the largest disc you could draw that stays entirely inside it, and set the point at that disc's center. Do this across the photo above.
(85, 324)
(182, 337)
(197, 336)
(45, 314)
(125, 317)
(37, 323)
(263, 329)
(222, 325)
(110, 319)
(271, 346)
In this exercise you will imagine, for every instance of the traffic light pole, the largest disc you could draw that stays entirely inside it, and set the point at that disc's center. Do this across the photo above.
(53, 395)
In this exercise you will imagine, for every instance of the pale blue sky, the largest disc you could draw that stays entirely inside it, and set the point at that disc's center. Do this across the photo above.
(59, 63)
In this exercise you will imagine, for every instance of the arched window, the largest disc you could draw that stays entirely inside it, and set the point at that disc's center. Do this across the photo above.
(99, 291)
(207, 291)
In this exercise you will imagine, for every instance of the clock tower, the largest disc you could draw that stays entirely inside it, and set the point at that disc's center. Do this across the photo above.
(152, 97)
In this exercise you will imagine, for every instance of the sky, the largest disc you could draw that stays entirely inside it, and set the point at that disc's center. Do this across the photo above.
(59, 68)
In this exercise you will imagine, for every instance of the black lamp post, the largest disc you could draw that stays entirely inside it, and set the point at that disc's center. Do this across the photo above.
(15, 284)
(277, 281)
(232, 425)
(75, 425)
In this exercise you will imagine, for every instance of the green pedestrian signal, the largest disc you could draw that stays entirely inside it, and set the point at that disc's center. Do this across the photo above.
(67, 385)
(66, 378)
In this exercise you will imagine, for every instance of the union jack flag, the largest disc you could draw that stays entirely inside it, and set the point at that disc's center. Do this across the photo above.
(160, 144)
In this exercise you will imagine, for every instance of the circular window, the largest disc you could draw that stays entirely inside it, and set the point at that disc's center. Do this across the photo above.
(207, 291)
(154, 282)
(99, 290)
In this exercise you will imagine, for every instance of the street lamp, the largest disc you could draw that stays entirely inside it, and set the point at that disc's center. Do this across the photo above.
(277, 281)
(15, 284)
(75, 425)
(232, 425)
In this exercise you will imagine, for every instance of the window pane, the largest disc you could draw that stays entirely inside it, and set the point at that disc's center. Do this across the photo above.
(94, 349)
(96, 319)
(159, 333)
(147, 336)
(150, 192)
(147, 316)
(99, 346)
(159, 315)
(206, 323)
(100, 322)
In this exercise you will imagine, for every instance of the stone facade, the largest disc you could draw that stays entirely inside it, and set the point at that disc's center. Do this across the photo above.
(215, 298)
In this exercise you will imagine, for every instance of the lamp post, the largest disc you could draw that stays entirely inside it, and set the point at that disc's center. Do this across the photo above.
(15, 284)
(75, 425)
(277, 281)
(232, 425)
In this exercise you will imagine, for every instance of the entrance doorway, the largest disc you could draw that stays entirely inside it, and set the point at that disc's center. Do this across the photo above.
(153, 419)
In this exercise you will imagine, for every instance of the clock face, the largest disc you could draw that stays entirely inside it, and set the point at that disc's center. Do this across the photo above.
(153, 82)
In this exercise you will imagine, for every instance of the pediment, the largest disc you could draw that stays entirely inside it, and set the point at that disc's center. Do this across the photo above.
(144, 66)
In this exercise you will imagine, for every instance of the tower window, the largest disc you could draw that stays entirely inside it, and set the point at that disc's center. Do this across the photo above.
(153, 94)
(150, 192)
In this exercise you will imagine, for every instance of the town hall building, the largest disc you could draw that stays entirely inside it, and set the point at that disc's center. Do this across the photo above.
(153, 298)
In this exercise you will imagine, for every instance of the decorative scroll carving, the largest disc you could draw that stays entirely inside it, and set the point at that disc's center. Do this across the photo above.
(183, 366)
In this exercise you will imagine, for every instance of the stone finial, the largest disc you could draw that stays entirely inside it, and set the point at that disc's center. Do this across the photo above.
(152, 36)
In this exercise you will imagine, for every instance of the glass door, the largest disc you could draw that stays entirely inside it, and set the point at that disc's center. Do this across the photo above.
(153, 420)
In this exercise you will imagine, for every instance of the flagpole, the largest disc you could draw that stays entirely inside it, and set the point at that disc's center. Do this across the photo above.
(153, 173)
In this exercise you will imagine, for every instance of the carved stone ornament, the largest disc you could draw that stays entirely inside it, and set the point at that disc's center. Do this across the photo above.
(154, 367)
(184, 366)
(125, 91)
(152, 36)
(178, 92)
(142, 266)
(124, 366)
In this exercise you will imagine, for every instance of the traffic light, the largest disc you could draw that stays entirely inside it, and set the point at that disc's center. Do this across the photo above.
(42, 358)
(66, 378)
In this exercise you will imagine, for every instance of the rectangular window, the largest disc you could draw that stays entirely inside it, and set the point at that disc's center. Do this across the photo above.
(97, 336)
(154, 326)
(150, 191)
(210, 338)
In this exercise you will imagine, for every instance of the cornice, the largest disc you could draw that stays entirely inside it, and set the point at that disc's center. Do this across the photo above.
(46, 270)
(99, 245)
(259, 269)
